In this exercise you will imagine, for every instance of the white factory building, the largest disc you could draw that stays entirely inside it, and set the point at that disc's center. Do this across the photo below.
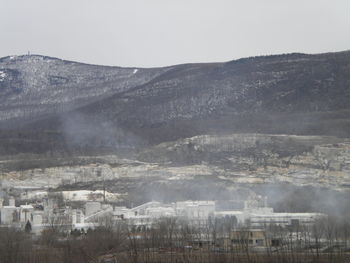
(197, 212)
(18, 216)
(257, 214)
(39, 219)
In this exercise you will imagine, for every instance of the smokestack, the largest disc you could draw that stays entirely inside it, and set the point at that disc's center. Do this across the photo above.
(74, 217)
(104, 191)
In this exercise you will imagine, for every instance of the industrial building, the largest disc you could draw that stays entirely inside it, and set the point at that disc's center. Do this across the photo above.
(40, 217)
(255, 215)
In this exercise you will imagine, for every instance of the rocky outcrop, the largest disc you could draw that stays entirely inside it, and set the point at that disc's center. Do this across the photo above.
(257, 158)
(231, 161)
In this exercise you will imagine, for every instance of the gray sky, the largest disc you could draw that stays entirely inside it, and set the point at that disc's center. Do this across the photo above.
(151, 33)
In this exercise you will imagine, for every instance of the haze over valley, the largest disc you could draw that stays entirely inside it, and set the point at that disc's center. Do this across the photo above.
(196, 129)
(187, 131)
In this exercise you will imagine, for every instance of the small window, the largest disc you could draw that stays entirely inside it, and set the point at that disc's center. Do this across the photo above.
(235, 241)
(259, 242)
(275, 242)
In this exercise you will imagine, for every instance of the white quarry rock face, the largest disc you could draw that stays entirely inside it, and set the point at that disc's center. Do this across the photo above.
(78, 195)
(298, 173)
(324, 166)
(86, 195)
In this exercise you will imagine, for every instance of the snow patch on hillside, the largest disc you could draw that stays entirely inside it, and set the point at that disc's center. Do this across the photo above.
(2, 76)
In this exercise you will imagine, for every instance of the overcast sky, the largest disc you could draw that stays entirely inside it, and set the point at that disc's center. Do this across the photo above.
(149, 33)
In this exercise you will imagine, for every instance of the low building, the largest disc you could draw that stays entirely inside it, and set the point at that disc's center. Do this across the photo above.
(249, 237)
(283, 219)
(26, 212)
(195, 209)
(9, 215)
(92, 208)
(256, 214)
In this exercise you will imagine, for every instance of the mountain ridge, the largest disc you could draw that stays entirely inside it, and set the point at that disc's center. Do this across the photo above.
(89, 107)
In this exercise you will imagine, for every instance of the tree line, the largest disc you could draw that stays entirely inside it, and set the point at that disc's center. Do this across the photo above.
(172, 240)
